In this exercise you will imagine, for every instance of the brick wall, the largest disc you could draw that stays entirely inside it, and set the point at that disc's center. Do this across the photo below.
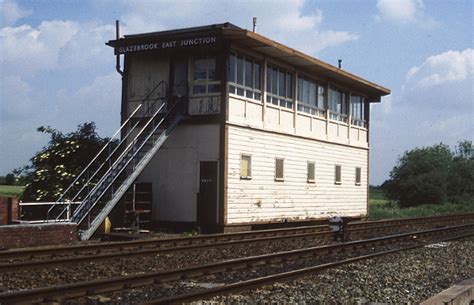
(4, 209)
(32, 235)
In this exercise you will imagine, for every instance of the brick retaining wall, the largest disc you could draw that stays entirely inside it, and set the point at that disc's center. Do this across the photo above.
(4, 217)
(33, 235)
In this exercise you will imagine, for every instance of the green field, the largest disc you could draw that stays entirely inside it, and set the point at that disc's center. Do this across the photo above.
(11, 190)
(380, 208)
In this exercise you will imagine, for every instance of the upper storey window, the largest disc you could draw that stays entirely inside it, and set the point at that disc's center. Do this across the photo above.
(338, 108)
(244, 76)
(358, 111)
(205, 78)
(279, 87)
(310, 97)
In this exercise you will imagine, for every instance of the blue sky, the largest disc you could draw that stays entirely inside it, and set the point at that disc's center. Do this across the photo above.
(56, 70)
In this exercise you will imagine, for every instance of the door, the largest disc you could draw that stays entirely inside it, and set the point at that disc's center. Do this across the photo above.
(207, 196)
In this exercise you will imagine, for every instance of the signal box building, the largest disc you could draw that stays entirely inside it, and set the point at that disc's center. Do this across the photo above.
(269, 135)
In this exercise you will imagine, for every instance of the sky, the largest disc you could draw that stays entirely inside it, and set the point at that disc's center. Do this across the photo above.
(56, 70)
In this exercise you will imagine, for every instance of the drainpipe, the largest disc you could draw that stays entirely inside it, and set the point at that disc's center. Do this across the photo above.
(117, 37)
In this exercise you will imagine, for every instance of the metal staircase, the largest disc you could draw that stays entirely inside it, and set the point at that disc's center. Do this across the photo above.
(104, 181)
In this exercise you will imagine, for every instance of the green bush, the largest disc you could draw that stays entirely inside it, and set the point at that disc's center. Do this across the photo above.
(432, 175)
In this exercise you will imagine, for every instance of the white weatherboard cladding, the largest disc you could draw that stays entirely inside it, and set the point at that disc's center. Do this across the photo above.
(246, 112)
(174, 171)
(264, 199)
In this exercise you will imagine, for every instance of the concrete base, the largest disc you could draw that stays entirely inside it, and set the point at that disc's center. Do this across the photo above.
(459, 294)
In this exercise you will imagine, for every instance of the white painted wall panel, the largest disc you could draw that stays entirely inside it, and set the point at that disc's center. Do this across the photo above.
(263, 199)
(247, 112)
(174, 171)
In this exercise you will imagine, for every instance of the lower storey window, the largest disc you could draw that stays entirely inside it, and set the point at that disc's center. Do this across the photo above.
(246, 167)
(279, 169)
(358, 172)
(337, 174)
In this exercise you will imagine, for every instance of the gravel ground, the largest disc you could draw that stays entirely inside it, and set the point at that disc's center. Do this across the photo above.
(371, 279)
(405, 277)
(77, 272)
(382, 280)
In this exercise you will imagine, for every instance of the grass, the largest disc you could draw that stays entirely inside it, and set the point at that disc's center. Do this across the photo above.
(381, 208)
(11, 190)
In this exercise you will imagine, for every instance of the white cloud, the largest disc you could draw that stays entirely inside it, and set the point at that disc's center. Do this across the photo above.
(27, 50)
(404, 12)
(15, 98)
(447, 67)
(284, 21)
(11, 12)
(98, 101)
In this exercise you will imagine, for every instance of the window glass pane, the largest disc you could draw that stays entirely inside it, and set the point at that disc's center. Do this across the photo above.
(240, 70)
(289, 85)
(213, 88)
(232, 68)
(269, 99)
(306, 91)
(212, 68)
(257, 76)
(231, 89)
(358, 175)
(312, 94)
(344, 103)
(269, 79)
(299, 91)
(201, 89)
(240, 91)
(274, 81)
(257, 96)
(248, 74)
(321, 97)
(337, 174)
(363, 109)
(200, 69)
(281, 84)
(311, 171)
(249, 94)
(279, 169)
(245, 166)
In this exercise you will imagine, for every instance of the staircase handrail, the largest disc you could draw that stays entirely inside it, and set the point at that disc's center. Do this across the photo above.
(61, 198)
(133, 156)
(94, 189)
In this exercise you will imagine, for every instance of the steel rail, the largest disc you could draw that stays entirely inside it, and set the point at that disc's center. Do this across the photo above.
(279, 277)
(81, 289)
(323, 235)
(35, 264)
(213, 238)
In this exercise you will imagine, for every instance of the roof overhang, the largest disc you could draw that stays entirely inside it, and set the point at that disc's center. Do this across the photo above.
(258, 43)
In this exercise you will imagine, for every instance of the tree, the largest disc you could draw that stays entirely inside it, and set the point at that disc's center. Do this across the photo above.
(55, 167)
(9, 179)
(432, 175)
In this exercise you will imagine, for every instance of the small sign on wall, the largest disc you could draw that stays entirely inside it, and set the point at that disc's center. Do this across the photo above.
(204, 105)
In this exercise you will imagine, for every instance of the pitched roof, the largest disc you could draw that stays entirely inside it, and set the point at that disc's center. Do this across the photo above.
(262, 44)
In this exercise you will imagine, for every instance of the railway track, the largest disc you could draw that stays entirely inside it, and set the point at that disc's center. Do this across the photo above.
(47, 257)
(298, 262)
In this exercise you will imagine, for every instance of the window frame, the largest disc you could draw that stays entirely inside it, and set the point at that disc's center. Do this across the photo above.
(335, 115)
(358, 120)
(358, 174)
(336, 167)
(205, 82)
(285, 102)
(308, 108)
(282, 178)
(246, 89)
(313, 164)
(249, 167)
